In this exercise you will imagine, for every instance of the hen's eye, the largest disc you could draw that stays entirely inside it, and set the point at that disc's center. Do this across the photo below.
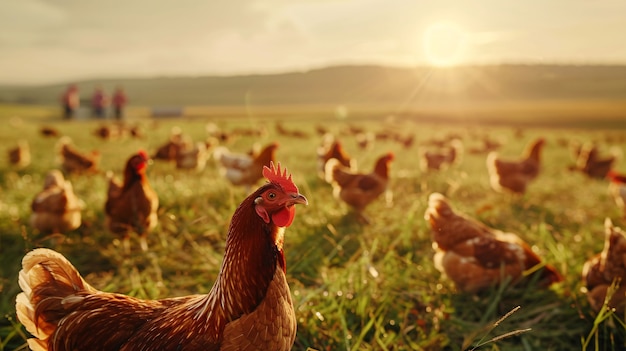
(271, 196)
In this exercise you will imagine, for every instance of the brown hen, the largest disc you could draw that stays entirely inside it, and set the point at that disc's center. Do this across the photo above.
(332, 148)
(609, 266)
(439, 159)
(19, 156)
(358, 190)
(132, 206)
(475, 256)
(515, 176)
(193, 158)
(74, 161)
(592, 164)
(176, 143)
(56, 209)
(49, 132)
(248, 308)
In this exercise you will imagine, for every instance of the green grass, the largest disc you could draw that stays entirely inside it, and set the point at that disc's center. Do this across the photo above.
(354, 287)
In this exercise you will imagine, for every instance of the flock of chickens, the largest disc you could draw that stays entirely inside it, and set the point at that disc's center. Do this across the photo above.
(256, 312)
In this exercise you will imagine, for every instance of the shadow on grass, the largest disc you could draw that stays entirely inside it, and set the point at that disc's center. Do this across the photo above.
(554, 320)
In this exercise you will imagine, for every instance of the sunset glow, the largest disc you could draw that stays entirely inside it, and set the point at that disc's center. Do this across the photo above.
(46, 42)
(444, 44)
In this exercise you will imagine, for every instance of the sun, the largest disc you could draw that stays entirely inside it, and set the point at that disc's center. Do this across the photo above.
(444, 44)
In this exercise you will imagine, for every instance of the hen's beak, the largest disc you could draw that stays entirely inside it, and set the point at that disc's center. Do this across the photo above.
(296, 198)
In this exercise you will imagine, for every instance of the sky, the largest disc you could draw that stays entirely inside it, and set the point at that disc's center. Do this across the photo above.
(54, 41)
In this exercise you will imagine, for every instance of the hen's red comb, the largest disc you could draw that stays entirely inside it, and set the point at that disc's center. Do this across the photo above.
(143, 154)
(279, 177)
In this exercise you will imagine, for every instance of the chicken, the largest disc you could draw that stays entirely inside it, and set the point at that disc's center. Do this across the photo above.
(194, 158)
(515, 176)
(132, 206)
(600, 271)
(364, 140)
(475, 256)
(617, 189)
(358, 190)
(136, 132)
(321, 130)
(56, 209)
(176, 143)
(486, 146)
(255, 132)
(73, 161)
(49, 132)
(108, 132)
(19, 156)
(331, 148)
(592, 164)
(436, 160)
(281, 130)
(244, 169)
(406, 141)
(249, 306)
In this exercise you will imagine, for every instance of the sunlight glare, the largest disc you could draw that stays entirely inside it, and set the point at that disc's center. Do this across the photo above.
(444, 44)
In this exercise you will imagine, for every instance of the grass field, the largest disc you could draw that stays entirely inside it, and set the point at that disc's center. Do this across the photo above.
(355, 287)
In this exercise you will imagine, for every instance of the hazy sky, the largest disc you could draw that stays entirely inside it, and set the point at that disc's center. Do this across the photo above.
(43, 41)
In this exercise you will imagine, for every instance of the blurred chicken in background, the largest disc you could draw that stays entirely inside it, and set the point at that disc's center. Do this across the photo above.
(607, 268)
(591, 163)
(515, 175)
(332, 148)
(358, 190)
(56, 209)
(193, 158)
(73, 161)
(132, 206)
(19, 156)
(176, 143)
(443, 157)
(244, 169)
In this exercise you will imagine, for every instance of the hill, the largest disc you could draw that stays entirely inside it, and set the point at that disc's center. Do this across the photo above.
(358, 85)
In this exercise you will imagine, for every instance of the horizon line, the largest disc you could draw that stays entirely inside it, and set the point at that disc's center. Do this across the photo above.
(92, 79)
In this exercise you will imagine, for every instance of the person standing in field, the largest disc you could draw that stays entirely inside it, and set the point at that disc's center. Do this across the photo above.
(70, 101)
(119, 101)
(98, 103)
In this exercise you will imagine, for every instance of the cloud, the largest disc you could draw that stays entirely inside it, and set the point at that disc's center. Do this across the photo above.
(21, 22)
(45, 41)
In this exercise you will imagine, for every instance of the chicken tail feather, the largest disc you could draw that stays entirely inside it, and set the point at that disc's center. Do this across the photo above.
(48, 281)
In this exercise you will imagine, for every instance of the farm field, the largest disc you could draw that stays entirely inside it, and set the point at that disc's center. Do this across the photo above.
(354, 286)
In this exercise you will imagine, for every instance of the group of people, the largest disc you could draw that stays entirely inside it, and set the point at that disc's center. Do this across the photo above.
(99, 102)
